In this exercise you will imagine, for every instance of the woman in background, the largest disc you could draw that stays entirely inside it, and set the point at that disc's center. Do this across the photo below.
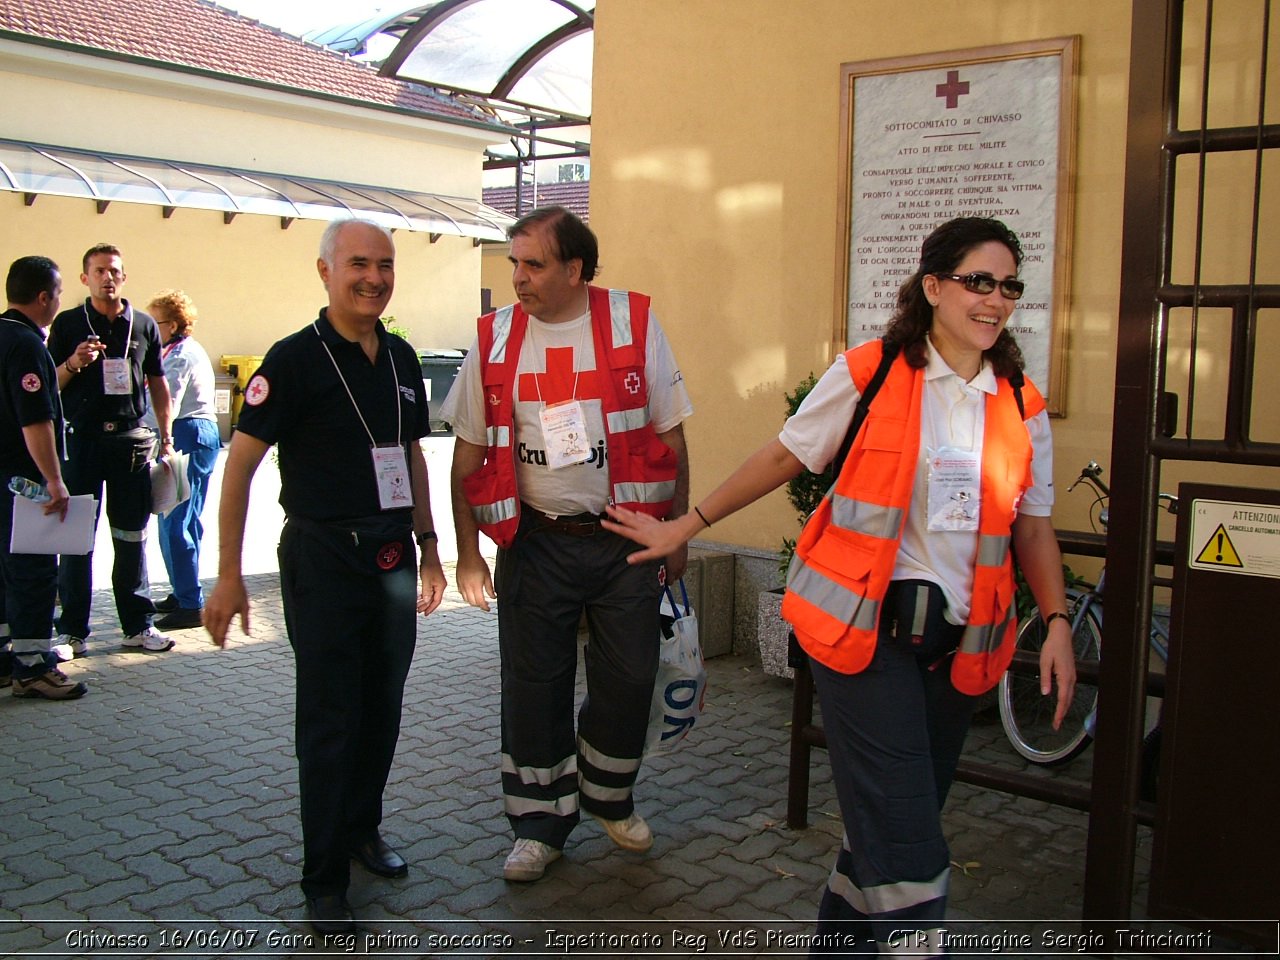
(195, 432)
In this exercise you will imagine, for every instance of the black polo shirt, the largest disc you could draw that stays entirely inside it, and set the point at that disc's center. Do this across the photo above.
(29, 393)
(297, 400)
(83, 401)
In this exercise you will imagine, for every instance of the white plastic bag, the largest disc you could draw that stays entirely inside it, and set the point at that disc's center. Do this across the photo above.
(681, 684)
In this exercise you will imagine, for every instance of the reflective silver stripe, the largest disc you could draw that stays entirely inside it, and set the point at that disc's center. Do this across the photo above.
(22, 645)
(888, 897)
(913, 943)
(498, 436)
(129, 536)
(620, 317)
(659, 492)
(620, 421)
(543, 776)
(523, 806)
(983, 638)
(501, 334)
(834, 600)
(920, 611)
(873, 519)
(603, 794)
(602, 761)
(992, 550)
(495, 512)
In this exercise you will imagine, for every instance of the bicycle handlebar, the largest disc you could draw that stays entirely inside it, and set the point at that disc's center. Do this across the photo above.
(1092, 475)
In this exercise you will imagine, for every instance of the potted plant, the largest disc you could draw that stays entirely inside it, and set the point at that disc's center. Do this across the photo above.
(804, 492)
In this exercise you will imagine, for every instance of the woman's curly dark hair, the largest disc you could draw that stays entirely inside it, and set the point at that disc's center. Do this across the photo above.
(942, 252)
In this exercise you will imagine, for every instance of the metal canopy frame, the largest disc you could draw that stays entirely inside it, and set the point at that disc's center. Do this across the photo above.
(38, 169)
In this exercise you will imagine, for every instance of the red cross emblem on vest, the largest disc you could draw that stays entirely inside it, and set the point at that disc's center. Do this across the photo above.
(632, 382)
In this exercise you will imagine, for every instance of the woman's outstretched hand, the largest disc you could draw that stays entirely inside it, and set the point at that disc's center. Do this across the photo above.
(660, 538)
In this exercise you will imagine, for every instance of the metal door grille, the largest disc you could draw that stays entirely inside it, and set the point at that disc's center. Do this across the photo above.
(1199, 316)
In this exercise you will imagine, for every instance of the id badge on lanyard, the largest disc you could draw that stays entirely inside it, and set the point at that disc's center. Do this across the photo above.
(116, 378)
(564, 432)
(391, 470)
(955, 478)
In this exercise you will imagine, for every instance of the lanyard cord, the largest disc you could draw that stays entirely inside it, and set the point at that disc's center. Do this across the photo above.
(395, 376)
(128, 340)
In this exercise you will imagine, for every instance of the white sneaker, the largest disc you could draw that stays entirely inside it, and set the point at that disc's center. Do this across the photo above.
(630, 834)
(67, 647)
(528, 860)
(149, 640)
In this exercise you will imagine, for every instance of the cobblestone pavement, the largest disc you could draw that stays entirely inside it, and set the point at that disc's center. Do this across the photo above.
(163, 806)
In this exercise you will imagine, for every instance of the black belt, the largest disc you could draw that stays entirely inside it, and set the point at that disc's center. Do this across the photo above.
(106, 426)
(577, 525)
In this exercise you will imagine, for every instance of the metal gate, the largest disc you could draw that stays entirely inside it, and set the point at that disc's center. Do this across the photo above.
(1203, 160)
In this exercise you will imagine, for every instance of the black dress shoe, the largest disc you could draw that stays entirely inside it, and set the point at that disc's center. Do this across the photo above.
(377, 857)
(330, 914)
(168, 604)
(181, 619)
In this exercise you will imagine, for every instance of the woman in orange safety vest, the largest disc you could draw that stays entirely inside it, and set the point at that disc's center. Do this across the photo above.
(901, 588)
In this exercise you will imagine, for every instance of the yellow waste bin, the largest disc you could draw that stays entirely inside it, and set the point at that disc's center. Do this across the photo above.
(242, 367)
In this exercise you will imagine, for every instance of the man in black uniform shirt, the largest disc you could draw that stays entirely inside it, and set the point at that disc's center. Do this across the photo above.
(346, 404)
(107, 355)
(30, 442)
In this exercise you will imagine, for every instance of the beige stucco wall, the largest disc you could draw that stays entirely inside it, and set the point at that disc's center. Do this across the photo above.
(715, 173)
(252, 281)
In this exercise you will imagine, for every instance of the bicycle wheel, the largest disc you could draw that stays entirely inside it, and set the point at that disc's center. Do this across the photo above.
(1027, 716)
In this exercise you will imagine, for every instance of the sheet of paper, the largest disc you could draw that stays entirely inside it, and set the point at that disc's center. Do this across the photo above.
(33, 532)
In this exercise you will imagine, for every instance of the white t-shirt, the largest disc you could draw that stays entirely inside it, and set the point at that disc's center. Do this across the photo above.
(953, 415)
(557, 363)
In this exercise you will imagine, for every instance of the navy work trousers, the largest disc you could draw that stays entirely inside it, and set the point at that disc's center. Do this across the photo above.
(894, 734)
(349, 597)
(118, 461)
(545, 581)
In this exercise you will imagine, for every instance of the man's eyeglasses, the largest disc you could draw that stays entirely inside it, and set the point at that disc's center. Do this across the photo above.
(984, 283)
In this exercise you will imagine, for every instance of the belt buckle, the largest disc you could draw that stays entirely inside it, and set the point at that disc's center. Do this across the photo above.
(110, 426)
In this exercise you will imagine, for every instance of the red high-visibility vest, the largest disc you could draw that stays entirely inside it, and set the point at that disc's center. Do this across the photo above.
(642, 469)
(845, 556)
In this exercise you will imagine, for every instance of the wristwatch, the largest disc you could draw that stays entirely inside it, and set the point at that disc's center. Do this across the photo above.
(424, 536)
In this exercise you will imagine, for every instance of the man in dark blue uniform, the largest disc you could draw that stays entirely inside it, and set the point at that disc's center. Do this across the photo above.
(108, 355)
(30, 444)
(346, 404)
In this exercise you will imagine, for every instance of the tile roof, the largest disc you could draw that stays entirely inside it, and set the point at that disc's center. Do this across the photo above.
(200, 34)
(573, 195)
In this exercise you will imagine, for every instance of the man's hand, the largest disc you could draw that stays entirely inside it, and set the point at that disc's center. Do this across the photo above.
(227, 599)
(474, 582)
(59, 499)
(433, 583)
(1058, 662)
(86, 352)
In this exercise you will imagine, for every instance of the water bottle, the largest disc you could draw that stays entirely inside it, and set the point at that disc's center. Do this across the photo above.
(29, 489)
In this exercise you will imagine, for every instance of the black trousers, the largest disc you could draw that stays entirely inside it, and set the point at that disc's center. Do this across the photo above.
(28, 585)
(349, 597)
(545, 581)
(118, 461)
(894, 733)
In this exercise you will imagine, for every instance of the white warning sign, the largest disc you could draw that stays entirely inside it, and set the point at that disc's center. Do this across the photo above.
(1235, 537)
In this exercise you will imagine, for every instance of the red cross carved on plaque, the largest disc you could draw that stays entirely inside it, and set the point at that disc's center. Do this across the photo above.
(953, 89)
(556, 385)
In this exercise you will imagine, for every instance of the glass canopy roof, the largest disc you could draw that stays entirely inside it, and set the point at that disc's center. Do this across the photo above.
(528, 62)
(33, 169)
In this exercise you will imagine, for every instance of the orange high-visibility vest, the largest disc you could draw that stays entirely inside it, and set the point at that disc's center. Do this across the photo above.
(845, 557)
(642, 469)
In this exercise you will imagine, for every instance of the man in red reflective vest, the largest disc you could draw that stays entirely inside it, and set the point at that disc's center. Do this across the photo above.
(569, 400)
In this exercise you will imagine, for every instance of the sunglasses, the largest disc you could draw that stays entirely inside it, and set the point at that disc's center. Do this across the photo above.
(984, 283)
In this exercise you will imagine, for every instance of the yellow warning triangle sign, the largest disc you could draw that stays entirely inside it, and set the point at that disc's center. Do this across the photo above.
(1219, 551)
